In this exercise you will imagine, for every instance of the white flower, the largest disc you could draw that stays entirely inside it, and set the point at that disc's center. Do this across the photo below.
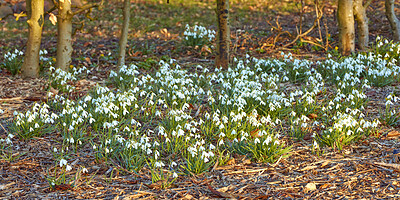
(68, 168)
(173, 164)
(315, 145)
(63, 162)
(159, 164)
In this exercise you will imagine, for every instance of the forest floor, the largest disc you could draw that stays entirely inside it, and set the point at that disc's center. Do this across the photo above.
(366, 170)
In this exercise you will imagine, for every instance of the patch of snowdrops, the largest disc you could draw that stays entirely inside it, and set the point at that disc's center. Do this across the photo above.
(198, 35)
(391, 115)
(175, 122)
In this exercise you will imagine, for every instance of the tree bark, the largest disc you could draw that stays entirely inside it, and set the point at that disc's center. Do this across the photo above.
(362, 24)
(35, 11)
(346, 26)
(393, 20)
(223, 38)
(123, 40)
(64, 37)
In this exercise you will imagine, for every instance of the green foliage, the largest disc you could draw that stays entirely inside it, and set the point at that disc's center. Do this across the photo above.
(198, 159)
(13, 62)
(264, 147)
(35, 122)
(198, 35)
(346, 129)
(391, 115)
(149, 64)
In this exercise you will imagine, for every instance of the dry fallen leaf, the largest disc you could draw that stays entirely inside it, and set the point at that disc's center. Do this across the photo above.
(246, 162)
(231, 162)
(88, 60)
(308, 168)
(206, 49)
(310, 187)
(220, 194)
(325, 163)
(53, 91)
(188, 196)
(312, 116)
(326, 185)
(53, 18)
(255, 133)
(63, 187)
(393, 134)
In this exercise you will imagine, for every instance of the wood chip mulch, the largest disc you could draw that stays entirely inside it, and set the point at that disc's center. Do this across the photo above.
(368, 171)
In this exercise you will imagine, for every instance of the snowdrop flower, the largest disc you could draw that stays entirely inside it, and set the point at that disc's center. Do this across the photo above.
(173, 164)
(315, 145)
(159, 164)
(63, 162)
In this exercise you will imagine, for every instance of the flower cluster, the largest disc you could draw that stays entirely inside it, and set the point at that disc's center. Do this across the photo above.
(348, 127)
(63, 81)
(198, 35)
(193, 118)
(13, 61)
(391, 115)
(34, 122)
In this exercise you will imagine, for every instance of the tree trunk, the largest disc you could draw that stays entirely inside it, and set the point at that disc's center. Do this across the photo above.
(123, 40)
(346, 26)
(393, 20)
(64, 37)
(35, 11)
(362, 24)
(223, 39)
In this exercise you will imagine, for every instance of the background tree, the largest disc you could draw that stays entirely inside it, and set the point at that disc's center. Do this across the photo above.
(223, 37)
(35, 13)
(393, 20)
(64, 37)
(123, 40)
(362, 22)
(5, 10)
(345, 16)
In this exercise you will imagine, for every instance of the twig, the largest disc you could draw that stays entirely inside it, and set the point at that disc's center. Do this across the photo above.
(396, 166)
(4, 128)
(305, 33)
(88, 6)
(11, 99)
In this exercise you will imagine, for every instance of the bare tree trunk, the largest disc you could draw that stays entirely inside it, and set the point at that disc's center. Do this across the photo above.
(123, 40)
(223, 40)
(362, 23)
(346, 26)
(64, 37)
(30, 67)
(393, 20)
